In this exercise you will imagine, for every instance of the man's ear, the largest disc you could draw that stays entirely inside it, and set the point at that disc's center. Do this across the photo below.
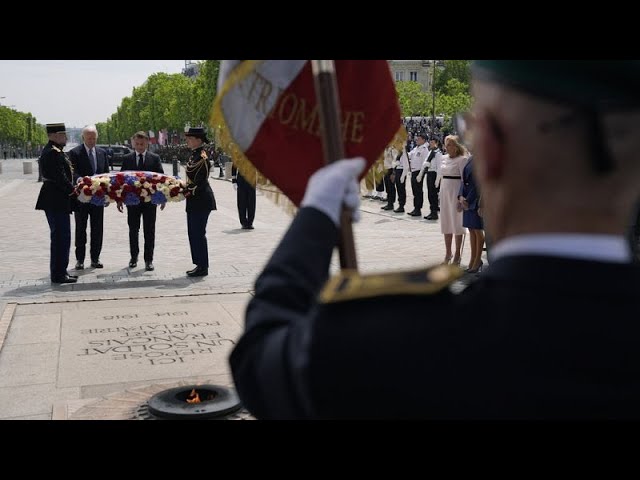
(488, 143)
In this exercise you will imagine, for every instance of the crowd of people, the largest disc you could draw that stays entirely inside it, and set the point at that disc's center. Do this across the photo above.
(451, 190)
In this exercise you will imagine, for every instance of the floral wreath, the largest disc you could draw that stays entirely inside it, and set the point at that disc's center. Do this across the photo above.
(130, 188)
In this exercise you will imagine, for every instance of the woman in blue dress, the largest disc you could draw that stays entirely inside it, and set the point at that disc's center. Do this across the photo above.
(468, 197)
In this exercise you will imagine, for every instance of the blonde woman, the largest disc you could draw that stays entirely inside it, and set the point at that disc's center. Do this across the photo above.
(449, 180)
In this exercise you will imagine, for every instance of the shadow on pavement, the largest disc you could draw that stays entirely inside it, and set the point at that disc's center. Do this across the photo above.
(31, 290)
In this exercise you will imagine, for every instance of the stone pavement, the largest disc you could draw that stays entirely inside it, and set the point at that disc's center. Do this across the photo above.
(119, 328)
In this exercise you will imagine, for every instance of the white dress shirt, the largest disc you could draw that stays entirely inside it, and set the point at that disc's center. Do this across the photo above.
(600, 248)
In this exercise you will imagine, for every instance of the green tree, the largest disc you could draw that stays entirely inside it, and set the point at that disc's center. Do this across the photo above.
(453, 69)
(457, 99)
(205, 90)
(413, 101)
(168, 101)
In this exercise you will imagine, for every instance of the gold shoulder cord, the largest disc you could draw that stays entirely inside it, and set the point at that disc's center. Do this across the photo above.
(351, 285)
(193, 168)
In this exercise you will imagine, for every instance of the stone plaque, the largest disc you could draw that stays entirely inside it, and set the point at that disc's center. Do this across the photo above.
(122, 344)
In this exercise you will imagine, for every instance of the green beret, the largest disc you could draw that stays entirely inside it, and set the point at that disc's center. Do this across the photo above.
(586, 83)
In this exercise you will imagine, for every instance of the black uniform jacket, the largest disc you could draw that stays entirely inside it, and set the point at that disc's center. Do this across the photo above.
(533, 338)
(201, 198)
(56, 180)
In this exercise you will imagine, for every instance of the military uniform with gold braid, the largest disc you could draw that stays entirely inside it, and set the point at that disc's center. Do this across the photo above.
(200, 203)
(548, 331)
(55, 200)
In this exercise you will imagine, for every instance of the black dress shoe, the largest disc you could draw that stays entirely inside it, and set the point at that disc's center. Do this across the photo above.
(387, 207)
(431, 216)
(149, 267)
(399, 210)
(72, 276)
(133, 263)
(192, 270)
(250, 227)
(198, 272)
(66, 279)
(415, 213)
(79, 266)
(97, 264)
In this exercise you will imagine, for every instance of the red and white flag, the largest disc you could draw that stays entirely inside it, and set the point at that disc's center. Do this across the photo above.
(266, 117)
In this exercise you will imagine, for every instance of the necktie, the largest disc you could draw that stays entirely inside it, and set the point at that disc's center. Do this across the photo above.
(140, 162)
(92, 157)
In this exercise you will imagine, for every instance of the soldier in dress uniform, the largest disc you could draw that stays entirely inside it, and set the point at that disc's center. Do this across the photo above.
(200, 201)
(245, 198)
(417, 157)
(55, 200)
(548, 332)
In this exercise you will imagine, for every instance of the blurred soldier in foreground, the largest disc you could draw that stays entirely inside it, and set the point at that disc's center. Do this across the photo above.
(548, 332)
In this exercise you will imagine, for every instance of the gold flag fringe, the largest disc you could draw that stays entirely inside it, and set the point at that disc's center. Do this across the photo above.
(226, 141)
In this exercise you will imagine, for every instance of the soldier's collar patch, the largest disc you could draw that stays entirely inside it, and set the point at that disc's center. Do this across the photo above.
(56, 148)
(351, 285)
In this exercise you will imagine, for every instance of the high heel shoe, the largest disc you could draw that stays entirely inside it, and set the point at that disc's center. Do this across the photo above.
(447, 259)
(456, 261)
(478, 269)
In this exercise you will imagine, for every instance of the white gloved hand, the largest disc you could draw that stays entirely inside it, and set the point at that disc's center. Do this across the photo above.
(395, 164)
(419, 177)
(235, 186)
(403, 176)
(334, 185)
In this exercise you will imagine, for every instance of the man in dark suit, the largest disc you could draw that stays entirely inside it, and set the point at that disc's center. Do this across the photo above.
(55, 200)
(547, 332)
(141, 159)
(87, 160)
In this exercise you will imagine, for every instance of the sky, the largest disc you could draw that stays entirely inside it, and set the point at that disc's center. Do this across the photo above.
(75, 92)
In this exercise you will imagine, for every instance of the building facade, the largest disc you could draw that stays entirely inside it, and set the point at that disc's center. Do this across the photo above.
(420, 71)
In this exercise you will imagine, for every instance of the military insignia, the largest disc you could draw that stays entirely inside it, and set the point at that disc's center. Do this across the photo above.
(351, 285)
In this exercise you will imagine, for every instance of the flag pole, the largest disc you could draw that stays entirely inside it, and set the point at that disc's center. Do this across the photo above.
(326, 87)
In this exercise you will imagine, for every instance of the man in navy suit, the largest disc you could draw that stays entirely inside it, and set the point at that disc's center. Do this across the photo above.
(141, 159)
(549, 331)
(87, 160)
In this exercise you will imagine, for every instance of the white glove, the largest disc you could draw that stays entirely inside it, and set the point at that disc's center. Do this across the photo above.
(334, 185)
(395, 164)
(419, 177)
(235, 186)
(403, 176)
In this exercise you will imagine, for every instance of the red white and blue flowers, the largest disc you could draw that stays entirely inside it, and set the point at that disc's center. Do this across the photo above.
(130, 188)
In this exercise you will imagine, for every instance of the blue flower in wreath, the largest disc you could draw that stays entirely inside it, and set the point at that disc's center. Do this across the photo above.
(98, 201)
(130, 179)
(158, 198)
(131, 199)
